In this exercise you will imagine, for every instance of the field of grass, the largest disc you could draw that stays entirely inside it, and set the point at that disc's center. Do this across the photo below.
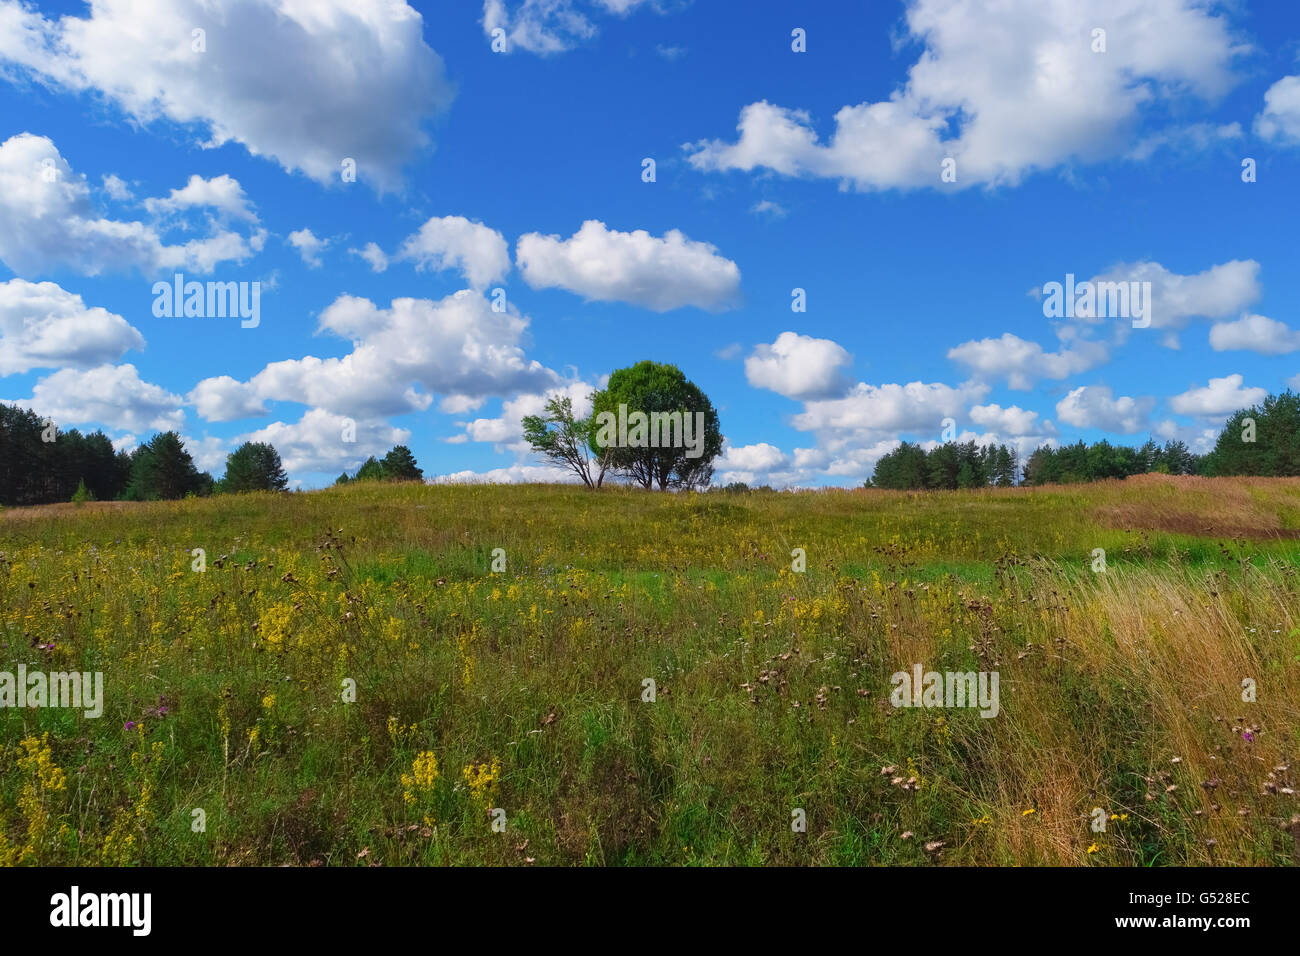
(227, 690)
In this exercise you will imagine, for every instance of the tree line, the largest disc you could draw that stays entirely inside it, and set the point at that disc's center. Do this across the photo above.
(1263, 440)
(39, 464)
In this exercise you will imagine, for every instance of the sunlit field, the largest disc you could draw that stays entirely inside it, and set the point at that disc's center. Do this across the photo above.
(342, 679)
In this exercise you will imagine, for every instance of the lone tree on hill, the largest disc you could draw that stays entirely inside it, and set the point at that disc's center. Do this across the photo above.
(681, 437)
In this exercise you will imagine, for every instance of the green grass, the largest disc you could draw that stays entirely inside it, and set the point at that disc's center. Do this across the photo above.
(772, 687)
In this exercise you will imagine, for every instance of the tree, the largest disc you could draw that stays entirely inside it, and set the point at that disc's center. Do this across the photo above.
(34, 470)
(643, 418)
(566, 441)
(82, 494)
(1004, 467)
(903, 469)
(1261, 440)
(399, 465)
(370, 470)
(161, 469)
(254, 466)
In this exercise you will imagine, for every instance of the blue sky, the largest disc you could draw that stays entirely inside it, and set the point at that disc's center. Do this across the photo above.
(774, 170)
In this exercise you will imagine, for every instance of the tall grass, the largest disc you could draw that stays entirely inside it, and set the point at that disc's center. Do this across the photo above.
(1121, 692)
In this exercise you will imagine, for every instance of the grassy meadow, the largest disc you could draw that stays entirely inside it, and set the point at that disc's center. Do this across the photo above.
(229, 690)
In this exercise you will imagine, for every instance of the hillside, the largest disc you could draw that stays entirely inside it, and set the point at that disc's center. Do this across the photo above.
(347, 680)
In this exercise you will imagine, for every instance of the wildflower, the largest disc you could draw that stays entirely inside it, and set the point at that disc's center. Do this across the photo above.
(1025, 813)
(424, 771)
(1094, 848)
(482, 780)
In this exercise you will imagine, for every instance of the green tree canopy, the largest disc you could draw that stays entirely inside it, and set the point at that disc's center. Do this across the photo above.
(399, 465)
(1261, 440)
(254, 466)
(161, 469)
(672, 408)
(566, 441)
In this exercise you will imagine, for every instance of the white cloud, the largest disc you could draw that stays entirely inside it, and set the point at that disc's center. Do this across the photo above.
(209, 453)
(507, 428)
(316, 441)
(44, 326)
(1221, 397)
(116, 187)
(1280, 119)
(753, 464)
(110, 395)
(1022, 362)
(510, 475)
(1095, 406)
(1013, 420)
(1192, 138)
(1218, 292)
(1004, 89)
(1198, 440)
(308, 246)
(1254, 333)
(453, 242)
(552, 26)
(769, 208)
(799, 366)
(47, 221)
(456, 346)
(373, 255)
(635, 267)
(881, 410)
(222, 193)
(307, 84)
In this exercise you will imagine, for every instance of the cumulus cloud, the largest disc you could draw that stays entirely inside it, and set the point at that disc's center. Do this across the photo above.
(111, 395)
(47, 221)
(373, 255)
(1004, 89)
(757, 464)
(1022, 362)
(1254, 333)
(1221, 397)
(799, 366)
(1218, 292)
(1095, 406)
(306, 84)
(635, 267)
(308, 246)
(115, 187)
(884, 409)
(510, 475)
(43, 325)
(222, 193)
(316, 442)
(455, 346)
(1011, 421)
(507, 429)
(453, 242)
(1279, 121)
